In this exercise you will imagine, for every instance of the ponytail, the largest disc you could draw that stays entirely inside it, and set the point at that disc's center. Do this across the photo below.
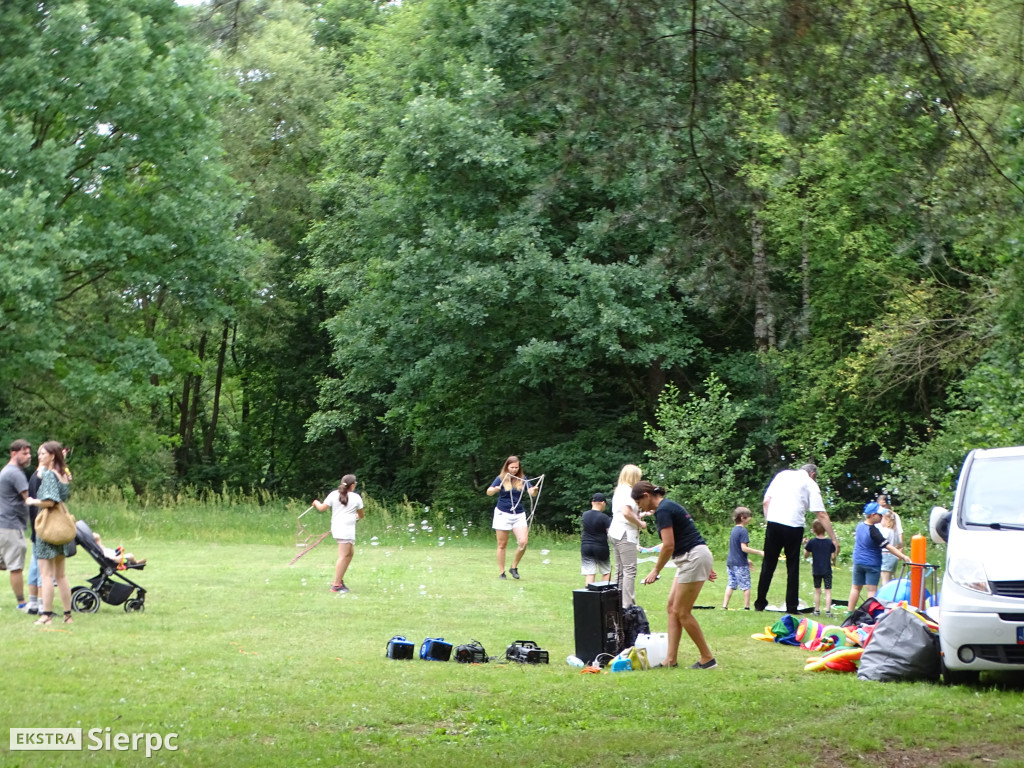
(645, 488)
(346, 485)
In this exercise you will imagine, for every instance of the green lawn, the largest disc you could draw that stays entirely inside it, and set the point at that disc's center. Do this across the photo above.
(253, 662)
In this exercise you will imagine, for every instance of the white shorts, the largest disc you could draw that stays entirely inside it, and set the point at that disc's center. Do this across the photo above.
(503, 521)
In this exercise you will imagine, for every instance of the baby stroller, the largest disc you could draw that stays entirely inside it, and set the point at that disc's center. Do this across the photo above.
(104, 586)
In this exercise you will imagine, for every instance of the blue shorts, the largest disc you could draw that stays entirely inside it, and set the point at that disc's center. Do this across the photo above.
(739, 577)
(866, 575)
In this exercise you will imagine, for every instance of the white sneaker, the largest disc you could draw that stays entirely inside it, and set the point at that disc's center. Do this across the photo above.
(23, 607)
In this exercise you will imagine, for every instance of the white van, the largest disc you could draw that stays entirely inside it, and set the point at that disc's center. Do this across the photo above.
(981, 624)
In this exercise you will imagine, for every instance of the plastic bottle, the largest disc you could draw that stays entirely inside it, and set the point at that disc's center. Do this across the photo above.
(574, 661)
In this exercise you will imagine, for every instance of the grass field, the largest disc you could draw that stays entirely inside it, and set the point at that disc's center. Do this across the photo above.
(252, 662)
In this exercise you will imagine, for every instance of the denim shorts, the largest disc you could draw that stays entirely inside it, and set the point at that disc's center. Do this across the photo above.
(866, 575)
(889, 562)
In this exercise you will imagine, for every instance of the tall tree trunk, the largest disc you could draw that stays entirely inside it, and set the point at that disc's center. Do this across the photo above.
(805, 306)
(215, 410)
(181, 452)
(764, 321)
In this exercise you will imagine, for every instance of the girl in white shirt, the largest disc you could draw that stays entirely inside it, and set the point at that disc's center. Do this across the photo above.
(346, 509)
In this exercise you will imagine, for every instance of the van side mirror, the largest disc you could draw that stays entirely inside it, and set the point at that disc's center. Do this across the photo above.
(938, 524)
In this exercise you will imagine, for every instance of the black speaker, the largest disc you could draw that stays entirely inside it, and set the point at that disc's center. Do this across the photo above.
(598, 619)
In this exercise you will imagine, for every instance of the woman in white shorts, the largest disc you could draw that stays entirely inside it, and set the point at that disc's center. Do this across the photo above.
(681, 541)
(346, 509)
(511, 486)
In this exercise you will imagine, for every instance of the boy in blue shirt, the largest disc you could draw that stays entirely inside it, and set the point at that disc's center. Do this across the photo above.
(822, 553)
(868, 545)
(738, 564)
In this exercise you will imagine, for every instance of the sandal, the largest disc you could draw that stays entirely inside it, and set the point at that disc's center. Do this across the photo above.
(67, 618)
(46, 617)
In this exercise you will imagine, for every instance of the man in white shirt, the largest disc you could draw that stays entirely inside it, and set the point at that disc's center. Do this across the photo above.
(790, 496)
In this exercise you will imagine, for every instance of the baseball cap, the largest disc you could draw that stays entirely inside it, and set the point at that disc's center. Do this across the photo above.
(871, 508)
(598, 497)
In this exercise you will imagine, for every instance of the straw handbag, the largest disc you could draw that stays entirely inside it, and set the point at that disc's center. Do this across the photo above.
(55, 525)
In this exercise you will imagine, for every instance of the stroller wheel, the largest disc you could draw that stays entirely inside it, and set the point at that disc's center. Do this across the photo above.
(85, 600)
(135, 605)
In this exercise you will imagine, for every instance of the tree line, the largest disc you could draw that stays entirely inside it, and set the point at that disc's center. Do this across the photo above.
(258, 243)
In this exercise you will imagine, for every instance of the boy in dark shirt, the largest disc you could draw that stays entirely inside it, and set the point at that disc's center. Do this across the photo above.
(738, 564)
(822, 553)
(594, 550)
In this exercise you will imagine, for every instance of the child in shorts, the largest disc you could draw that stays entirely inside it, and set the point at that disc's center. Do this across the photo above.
(822, 553)
(594, 551)
(738, 564)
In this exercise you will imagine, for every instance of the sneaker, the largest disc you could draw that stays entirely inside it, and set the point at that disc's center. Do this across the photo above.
(503, 576)
(706, 665)
(23, 607)
(817, 613)
(340, 588)
(514, 572)
(33, 610)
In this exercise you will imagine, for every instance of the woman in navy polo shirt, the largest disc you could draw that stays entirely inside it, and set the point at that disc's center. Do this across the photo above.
(681, 541)
(511, 486)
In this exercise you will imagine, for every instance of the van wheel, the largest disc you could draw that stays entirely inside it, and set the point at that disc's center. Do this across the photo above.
(959, 676)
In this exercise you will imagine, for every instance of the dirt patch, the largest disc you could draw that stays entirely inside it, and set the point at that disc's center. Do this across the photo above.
(973, 755)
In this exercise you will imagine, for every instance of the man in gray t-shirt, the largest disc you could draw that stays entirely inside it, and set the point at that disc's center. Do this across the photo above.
(14, 516)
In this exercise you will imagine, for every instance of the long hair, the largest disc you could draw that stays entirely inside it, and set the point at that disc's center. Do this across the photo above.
(56, 450)
(514, 481)
(346, 485)
(644, 488)
(630, 475)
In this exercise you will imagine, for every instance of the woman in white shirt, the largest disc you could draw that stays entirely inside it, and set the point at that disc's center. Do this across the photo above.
(346, 508)
(624, 532)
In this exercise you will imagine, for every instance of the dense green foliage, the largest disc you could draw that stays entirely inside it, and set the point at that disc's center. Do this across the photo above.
(257, 243)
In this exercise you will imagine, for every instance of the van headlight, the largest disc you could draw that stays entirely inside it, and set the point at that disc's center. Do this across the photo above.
(970, 574)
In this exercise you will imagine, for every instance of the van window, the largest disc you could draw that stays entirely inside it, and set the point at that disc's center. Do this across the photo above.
(994, 492)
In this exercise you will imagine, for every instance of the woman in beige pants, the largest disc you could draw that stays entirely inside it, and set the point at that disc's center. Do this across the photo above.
(624, 532)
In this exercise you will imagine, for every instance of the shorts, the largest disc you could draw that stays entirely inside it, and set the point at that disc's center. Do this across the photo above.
(347, 541)
(694, 565)
(889, 562)
(12, 548)
(866, 575)
(595, 565)
(739, 577)
(503, 521)
(822, 580)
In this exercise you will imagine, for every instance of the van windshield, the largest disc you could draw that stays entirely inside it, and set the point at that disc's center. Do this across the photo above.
(994, 492)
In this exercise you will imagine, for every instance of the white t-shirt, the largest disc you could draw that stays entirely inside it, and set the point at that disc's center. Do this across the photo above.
(344, 516)
(791, 494)
(621, 501)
